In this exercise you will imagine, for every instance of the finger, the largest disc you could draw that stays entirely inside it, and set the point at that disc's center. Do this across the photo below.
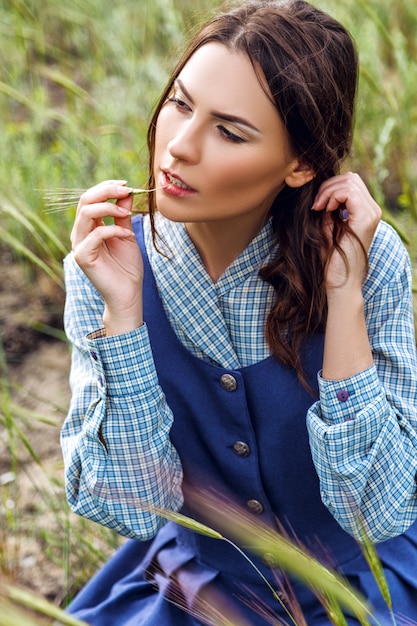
(88, 249)
(337, 201)
(91, 216)
(339, 190)
(108, 189)
(124, 212)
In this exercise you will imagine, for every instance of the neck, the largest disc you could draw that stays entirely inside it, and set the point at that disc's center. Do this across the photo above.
(219, 244)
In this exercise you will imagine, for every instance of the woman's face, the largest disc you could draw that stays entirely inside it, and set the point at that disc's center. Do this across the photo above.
(221, 149)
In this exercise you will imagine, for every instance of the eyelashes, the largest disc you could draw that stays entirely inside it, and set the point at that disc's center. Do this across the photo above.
(231, 136)
(225, 132)
(177, 101)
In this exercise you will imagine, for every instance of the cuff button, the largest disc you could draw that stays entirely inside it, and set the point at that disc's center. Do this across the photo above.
(342, 395)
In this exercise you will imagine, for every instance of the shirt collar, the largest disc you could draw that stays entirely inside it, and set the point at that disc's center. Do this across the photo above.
(176, 243)
(190, 297)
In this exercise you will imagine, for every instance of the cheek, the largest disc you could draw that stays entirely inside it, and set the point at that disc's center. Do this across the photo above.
(164, 130)
(248, 174)
(160, 142)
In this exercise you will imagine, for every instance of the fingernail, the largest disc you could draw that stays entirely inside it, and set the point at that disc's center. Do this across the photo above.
(123, 189)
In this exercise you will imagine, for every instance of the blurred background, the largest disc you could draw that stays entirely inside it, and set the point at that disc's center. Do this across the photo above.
(78, 81)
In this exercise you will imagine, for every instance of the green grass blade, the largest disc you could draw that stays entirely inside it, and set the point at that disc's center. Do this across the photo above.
(23, 250)
(261, 540)
(183, 520)
(31, 601)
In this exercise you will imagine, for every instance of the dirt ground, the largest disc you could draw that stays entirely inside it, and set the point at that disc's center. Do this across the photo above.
(35, 396)
(44, 549)
(42, 390)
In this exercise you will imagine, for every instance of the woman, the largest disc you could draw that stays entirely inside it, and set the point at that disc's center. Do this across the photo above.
(252, 335)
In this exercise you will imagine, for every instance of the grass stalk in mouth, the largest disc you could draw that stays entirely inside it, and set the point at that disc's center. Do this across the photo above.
(66, 198)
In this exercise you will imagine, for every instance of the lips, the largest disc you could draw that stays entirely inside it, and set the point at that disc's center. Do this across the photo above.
(176, 181)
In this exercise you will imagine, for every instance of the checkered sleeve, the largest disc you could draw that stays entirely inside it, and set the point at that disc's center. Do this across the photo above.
(363, 430)
(119, 461)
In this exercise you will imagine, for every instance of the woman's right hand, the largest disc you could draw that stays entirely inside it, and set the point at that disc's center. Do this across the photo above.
(109, 254)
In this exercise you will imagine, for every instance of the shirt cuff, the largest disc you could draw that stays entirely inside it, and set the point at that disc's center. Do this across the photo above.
(123, 363)
(343, 400)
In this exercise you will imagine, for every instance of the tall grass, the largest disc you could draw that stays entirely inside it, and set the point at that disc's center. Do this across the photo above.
(77, 83)
(386, 135)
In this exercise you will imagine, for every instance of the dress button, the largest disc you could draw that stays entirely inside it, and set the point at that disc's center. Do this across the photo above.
(94, 355)
(228, 382)
(241, 448)
(342, 395)
(255, 506)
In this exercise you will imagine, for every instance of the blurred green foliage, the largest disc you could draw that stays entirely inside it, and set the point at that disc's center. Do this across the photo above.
(78, 81)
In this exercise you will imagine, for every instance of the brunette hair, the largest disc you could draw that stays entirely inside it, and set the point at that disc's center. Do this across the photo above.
(310, 65)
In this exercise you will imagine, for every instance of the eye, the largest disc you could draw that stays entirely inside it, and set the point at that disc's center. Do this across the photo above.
(180, 104)
(230, 136)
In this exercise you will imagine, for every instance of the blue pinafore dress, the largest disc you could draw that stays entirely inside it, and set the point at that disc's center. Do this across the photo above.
(242, 433)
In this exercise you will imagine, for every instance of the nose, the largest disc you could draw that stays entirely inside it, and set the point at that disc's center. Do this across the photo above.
(186, 143)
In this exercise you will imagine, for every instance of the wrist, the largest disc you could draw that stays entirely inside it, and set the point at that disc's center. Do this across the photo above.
(119, 321)
(349, 293)
(347, 349)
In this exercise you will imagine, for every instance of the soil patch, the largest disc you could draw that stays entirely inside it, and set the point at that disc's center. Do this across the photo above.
(43, 547)
(35, 397)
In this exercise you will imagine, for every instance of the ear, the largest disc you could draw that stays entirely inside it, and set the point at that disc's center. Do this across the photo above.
(299, 174)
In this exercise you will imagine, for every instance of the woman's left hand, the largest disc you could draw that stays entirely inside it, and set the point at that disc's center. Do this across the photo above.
(348, 193)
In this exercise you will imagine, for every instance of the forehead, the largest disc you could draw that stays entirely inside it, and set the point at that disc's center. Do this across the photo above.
(225, 80)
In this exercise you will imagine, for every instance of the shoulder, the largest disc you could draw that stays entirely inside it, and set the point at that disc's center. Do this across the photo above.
(388, 259)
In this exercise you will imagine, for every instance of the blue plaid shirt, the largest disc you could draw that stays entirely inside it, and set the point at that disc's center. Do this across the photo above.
(363, 430)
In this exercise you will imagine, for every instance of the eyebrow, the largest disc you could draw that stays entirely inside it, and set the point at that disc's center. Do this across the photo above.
(234, 119)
